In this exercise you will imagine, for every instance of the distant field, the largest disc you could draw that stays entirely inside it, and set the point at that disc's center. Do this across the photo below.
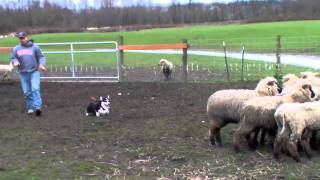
(297, 36)
(253, 70)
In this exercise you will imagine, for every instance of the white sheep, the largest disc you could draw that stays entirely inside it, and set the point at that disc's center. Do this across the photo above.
(259, 112)
(296, 122)
(289, 80)
(224, 106)
(306, 74)
(5, 70)
(166, 67)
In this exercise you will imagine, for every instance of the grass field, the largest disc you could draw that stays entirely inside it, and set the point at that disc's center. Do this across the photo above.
(253, 70)
(300, 36)
(297, 35)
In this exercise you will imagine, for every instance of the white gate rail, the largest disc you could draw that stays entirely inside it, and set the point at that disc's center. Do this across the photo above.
(72, 51)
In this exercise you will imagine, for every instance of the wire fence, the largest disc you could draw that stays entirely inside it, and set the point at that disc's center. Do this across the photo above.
(242, 59)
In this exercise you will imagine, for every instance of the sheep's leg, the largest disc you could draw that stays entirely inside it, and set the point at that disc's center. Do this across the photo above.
(4, 76)
(305, 143)
(241, 132)
(214, 131)
(313, 140)
(293, 146)
(252, 141)
(279, 141)
(263, 136)
(272, 133)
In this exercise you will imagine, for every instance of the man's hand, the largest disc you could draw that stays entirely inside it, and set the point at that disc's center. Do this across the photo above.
(16, 63)
(42, 68)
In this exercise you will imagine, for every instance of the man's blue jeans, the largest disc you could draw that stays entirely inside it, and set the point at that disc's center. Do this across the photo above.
(30, 82)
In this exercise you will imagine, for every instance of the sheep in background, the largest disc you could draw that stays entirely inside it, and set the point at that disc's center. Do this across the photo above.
(306, 74)
(166, 67)
(224, 106)
(296, 122)
(5, 70)
(259, 112)
(289, 80)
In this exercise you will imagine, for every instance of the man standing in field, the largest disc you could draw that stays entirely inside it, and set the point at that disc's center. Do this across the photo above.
(30, 61)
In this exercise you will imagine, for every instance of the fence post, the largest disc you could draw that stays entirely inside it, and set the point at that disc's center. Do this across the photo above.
(278, 56)
(185, 61)
(72, 59)
(242, 63)
(226, 60)
(121, 58)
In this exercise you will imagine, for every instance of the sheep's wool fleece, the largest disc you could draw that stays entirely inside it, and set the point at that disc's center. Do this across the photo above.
(300, 115)
(260, 111)
(228, 103)
(262, 108)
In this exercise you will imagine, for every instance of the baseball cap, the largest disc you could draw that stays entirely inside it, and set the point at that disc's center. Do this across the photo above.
(22, 34)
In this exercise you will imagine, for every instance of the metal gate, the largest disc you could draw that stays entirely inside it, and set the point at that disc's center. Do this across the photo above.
(72, 69)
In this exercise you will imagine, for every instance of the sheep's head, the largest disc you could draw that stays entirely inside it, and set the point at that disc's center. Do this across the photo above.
(268, 87)
(289, 79)
(162, 62)
(303, 91)
(307, 74)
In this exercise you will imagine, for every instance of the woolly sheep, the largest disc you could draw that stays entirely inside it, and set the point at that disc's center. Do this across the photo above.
(259, 112)
(296, 122)
(166, 67)
(5, 70)
(224, 106)
(289, 80)
(315, 80)
(306, 74)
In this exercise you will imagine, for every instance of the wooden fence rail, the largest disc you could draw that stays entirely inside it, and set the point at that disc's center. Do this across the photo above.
(183, 46)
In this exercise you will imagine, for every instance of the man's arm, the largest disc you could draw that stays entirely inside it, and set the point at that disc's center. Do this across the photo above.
(40, 57)
(13, 58)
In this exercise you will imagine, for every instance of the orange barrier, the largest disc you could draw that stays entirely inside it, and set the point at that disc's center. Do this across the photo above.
(5, 49)
(153, 46)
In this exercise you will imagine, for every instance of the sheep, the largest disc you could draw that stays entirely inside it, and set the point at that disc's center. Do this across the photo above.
(224, 106)
(259, 112)
(5, 70)
(296, 122)
(166, 67)
(306, 74)
(289, 80)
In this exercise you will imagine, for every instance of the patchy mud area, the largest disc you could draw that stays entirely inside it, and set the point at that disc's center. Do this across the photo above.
(155, 130)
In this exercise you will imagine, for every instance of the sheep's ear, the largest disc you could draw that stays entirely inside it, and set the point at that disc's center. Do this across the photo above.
(271, 83)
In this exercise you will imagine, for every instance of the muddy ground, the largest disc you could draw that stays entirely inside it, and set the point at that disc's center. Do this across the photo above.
(156, 130)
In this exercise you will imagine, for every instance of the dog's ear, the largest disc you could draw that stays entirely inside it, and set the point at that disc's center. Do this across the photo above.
(101, 98)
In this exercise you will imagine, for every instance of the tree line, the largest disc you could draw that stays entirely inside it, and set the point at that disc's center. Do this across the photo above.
(50, 17)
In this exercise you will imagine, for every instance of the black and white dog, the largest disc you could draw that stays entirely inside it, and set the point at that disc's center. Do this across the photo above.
(99, 108)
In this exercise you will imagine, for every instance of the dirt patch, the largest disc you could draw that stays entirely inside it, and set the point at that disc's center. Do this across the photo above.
(155, 130)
